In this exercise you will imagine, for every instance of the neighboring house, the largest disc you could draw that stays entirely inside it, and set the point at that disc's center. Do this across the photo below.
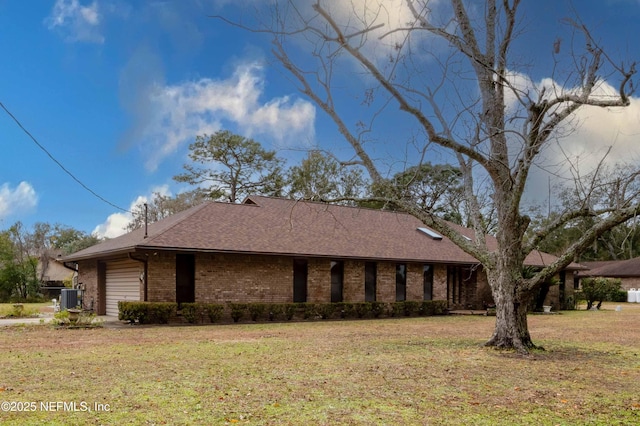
(277, 250)
(52, 274)
(628, 271)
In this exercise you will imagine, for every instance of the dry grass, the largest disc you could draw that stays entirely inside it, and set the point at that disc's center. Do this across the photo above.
(422, 371)
(28, 310)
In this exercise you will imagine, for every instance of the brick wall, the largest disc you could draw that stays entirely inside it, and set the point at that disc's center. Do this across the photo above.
(386, 285)
(260, 278)
(628, 283)
(88, 277)
(353, 281)
(161, 277)
(415, 281)
(319, 281)
(243, 278)
(439, 282)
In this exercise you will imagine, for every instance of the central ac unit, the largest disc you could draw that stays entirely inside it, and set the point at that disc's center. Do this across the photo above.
(70, 298)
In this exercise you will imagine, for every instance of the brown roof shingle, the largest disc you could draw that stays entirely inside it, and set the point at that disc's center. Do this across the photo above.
(288, 227)
(613, 268)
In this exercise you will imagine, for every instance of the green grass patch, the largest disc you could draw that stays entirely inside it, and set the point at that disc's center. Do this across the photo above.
(9, 310)
(407, 370)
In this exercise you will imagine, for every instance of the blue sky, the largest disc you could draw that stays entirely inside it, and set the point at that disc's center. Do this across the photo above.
(116, 91)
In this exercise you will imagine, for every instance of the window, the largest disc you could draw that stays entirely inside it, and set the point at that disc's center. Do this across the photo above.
(454, 284)
(370, 279)
(401, 282)
(337, 280)
(430, 233)
(427, 281)
(300, 270)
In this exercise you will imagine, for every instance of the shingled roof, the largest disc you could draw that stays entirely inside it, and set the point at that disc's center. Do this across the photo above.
(263, 225)
(613, 268)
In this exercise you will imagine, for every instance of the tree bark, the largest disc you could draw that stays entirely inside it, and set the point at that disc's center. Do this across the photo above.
(511, 328)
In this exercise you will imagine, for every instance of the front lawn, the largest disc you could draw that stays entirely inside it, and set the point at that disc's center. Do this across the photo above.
(28, 309)
(404, 371)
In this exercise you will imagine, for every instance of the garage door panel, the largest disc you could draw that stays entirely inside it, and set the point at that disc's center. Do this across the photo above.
(122, 284)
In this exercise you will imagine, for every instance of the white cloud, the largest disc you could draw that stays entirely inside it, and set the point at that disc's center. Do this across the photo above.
(19, 200)
(75, 21)
(115, 225)
(594, 130)
(177, 113)
(591, 134)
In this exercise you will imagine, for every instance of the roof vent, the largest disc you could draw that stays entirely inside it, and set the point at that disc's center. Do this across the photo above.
(430, 233)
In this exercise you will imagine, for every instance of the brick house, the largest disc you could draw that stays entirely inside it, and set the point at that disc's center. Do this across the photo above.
(276, 251)
(628, 271)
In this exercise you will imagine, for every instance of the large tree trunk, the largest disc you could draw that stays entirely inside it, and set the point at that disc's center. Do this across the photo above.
(511, 330)
(511, 299)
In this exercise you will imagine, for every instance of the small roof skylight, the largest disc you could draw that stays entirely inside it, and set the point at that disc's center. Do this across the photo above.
(430, 233)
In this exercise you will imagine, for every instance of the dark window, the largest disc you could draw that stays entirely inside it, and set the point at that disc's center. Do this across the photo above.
(370, 279)
(185, 278)
(454, 284)
(401, 282)
(300, 280)
(337, 281)
(427, 280)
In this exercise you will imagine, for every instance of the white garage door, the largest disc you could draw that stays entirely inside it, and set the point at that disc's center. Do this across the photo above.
(122, 283)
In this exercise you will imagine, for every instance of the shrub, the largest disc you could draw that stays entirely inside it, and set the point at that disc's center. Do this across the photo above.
(412, 307)
(618, 296)
(362, 309)
(346, 309)
(309, 310)
(433, 307)
(191, 312)
(325, 310)
(439, 307)
(275, 310)
(396, 309)
(160, 312)
(377, 309)
(213, 311)
(146, 312)
(256, 310)
(237, 310)
(61, 318)
(599, 289)
(289, 310)
(132, 311)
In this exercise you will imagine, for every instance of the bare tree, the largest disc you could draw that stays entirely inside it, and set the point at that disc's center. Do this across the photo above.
(449, 67)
